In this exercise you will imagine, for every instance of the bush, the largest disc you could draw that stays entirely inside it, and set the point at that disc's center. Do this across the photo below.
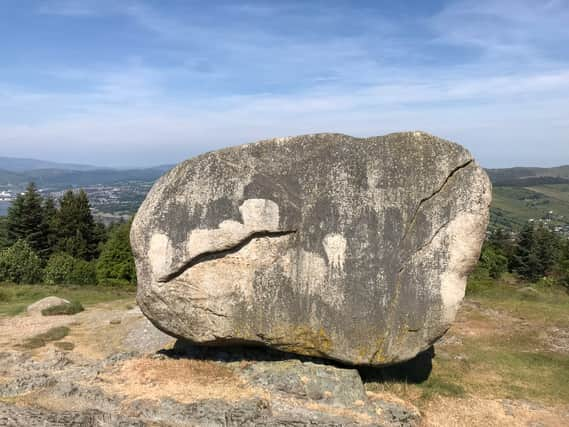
(116, 263)
(59, 269)
(63, 269)
(73, 307)
(493, 262)
(20, 264)
(84, 273)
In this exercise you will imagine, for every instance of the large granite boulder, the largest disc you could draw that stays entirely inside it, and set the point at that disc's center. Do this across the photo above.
(326, 245)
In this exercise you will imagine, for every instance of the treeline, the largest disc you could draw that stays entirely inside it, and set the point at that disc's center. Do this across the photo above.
(60, 243)
(534, 254)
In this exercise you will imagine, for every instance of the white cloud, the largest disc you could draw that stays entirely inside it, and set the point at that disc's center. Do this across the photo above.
(501, 99)
(68, 8)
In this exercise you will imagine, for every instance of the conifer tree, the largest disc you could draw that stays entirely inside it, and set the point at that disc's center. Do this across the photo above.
(49, 223)
(3, 233)
(26, 221)
(563, 264)
(76, 227)
(525, 261)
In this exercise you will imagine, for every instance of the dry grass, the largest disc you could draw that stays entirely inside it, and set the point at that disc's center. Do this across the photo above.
(40, 340)
(184, 380)
(480, 412)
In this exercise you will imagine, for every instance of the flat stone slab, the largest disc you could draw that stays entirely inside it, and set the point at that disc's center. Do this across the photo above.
(325, 245)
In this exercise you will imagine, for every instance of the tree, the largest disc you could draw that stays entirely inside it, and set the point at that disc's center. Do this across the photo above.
(501, 242)
(116, 263)
(3, 233)
(525, 261)
(492, 261)
(26, 221)
(548, 248)
(49, 223)
(563, 265)
(536, 252)
(20, 264)
(76, 231)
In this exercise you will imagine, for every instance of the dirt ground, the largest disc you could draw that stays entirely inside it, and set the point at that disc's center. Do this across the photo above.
(497, 366)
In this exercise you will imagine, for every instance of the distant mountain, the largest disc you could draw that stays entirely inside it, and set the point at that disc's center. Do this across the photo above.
(527, 177)
(62, 178)
(15, 164)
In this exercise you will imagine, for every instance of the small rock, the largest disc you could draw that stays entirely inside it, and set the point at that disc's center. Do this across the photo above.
(37, 307)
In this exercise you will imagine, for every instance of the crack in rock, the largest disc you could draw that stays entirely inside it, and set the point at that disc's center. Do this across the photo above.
(212, 255)
(426, 199)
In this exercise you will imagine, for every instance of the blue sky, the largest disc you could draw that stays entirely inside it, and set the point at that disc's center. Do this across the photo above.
(145, 82)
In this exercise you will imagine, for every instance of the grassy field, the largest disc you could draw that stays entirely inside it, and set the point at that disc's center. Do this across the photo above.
(15, 298)
(510, 341)
(516, 205)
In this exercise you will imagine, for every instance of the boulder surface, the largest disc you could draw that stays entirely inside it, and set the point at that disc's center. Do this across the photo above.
(326, 245)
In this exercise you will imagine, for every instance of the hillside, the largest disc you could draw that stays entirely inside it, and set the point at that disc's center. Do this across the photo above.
(522, 176)
(520, 194)
(16, 164)
(64, 178)
(525, 194)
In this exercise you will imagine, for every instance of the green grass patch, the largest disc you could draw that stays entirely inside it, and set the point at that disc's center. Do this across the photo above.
(71, 308)
(15, 298)
(501, 350)
(532, 302)
(516, 205)
(436, 386)
(519, 369)
(40, 340)
(64, 345)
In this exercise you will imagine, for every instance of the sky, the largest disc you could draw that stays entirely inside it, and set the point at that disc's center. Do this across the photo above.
(148, 82)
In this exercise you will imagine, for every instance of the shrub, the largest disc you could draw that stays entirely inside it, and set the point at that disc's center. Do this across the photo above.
(63, 269)
(73, 307)
(59, 269)
(20, 264)
(494, 262)
(84, 273)
(116, 263)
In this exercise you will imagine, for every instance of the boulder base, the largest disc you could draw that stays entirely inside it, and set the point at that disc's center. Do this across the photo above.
(325, 245)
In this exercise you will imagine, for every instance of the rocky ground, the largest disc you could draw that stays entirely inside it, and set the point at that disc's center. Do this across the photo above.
(115, 369)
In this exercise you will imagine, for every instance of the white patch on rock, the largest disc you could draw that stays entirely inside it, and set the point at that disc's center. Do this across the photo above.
(258, 215)
(463, 234)
(160, 254)
(335, 247)
(311, 276)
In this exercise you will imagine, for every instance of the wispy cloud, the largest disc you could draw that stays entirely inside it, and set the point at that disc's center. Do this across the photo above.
(69, 8)
(492, 74)
(523, 30)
